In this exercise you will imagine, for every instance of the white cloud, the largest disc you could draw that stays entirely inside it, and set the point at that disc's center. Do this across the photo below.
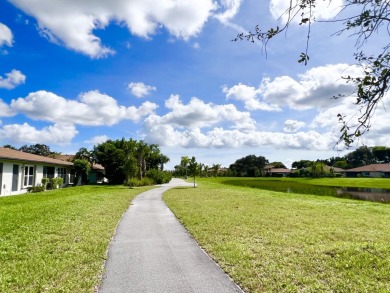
(230, 10)
(6, 36)
(5, 110)
(97, 139)
(197, 113)
(140, 90)
(25, 133)
(93, 108)
(324, 10)
(293, 125)
(218, 137)
(202, 125)
(250, 96)
(314, 89)
(13, 79)
(72, 22)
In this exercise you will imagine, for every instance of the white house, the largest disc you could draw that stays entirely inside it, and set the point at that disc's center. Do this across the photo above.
(19, 171)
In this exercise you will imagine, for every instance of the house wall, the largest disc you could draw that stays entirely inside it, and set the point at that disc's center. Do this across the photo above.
(7, 177)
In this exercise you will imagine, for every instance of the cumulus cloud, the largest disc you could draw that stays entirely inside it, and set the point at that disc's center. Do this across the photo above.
(218, 137)
(203, 125)
(92, 108)
(230, 10)
(314, 89)
(12, 80)
(293, 125)
(250, 96)
(73, 22)
(25, 133)
(324, 10)
(5, 110)
(6, 36)
(140, 90)
(197, 113)
(97, 139)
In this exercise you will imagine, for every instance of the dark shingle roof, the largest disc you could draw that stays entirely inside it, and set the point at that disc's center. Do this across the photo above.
(10, 154)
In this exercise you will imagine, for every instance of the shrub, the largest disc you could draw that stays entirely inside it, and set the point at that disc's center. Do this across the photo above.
(44, 182)
(135, 182)
(35, 189)
(57, 182)
(158, 176)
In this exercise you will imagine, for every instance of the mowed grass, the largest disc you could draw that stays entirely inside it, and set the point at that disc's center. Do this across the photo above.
(57, 241)
(282, 242)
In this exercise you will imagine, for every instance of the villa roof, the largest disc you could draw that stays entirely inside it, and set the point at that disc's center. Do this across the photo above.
(280, 170)
(10, 154)
(372, 168)
(70, 158)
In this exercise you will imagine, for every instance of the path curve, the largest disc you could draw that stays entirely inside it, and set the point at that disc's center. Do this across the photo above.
(152, 252)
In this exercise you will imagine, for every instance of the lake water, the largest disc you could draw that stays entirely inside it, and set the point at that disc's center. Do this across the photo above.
(371, 194)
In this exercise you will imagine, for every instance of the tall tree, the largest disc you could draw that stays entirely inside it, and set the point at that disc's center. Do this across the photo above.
(163, 159)
(142, 152)
(38, 149)
(8, 146)
(365, 19)
(249, 166)
(215, 168)
(185, 160)
(193, 168)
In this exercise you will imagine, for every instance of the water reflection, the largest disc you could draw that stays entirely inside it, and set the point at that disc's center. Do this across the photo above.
(371, 194)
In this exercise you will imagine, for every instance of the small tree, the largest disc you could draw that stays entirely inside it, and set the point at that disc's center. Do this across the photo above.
(44, 182)
(193, 168)
(185, 160)
(82, 169)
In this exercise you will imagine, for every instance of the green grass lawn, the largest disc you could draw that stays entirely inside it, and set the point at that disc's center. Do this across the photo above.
(282, 242)
(57, 241)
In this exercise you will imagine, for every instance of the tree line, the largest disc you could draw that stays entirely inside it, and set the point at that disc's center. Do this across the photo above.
(362, 156)
(125, 161)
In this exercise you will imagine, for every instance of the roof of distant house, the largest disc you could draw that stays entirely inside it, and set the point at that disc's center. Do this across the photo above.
(70, 158)
(372, 168)
(10, 154)
(280, 170)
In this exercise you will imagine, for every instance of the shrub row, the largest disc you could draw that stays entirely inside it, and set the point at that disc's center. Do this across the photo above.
(154, 176)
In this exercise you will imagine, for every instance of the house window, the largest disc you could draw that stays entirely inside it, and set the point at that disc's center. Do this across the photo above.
(28, 176)
(62, 173)
(48, 172)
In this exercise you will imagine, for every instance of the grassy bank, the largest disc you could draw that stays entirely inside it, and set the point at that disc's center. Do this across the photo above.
(56, 241)
(282, 242)
(337, 182)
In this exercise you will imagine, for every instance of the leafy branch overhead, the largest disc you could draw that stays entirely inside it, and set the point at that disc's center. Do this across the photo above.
(365, 19)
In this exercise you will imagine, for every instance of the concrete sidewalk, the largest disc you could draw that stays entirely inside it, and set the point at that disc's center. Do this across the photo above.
(152, 252)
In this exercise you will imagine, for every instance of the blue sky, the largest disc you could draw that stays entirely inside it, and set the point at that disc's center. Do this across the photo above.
(74, 74)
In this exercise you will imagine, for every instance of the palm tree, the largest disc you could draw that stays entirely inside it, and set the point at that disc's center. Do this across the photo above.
(163, 159)
(185, 160)
(215, 168)
(141, 150)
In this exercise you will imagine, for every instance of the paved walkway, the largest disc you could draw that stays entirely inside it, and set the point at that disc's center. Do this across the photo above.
(152, 252)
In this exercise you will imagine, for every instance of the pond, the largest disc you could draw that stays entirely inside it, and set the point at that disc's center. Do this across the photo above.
(370, 194)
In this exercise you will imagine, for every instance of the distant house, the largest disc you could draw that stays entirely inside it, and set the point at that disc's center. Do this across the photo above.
(19, 171)
(373, 170)
(96, 175)
(271, 171)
